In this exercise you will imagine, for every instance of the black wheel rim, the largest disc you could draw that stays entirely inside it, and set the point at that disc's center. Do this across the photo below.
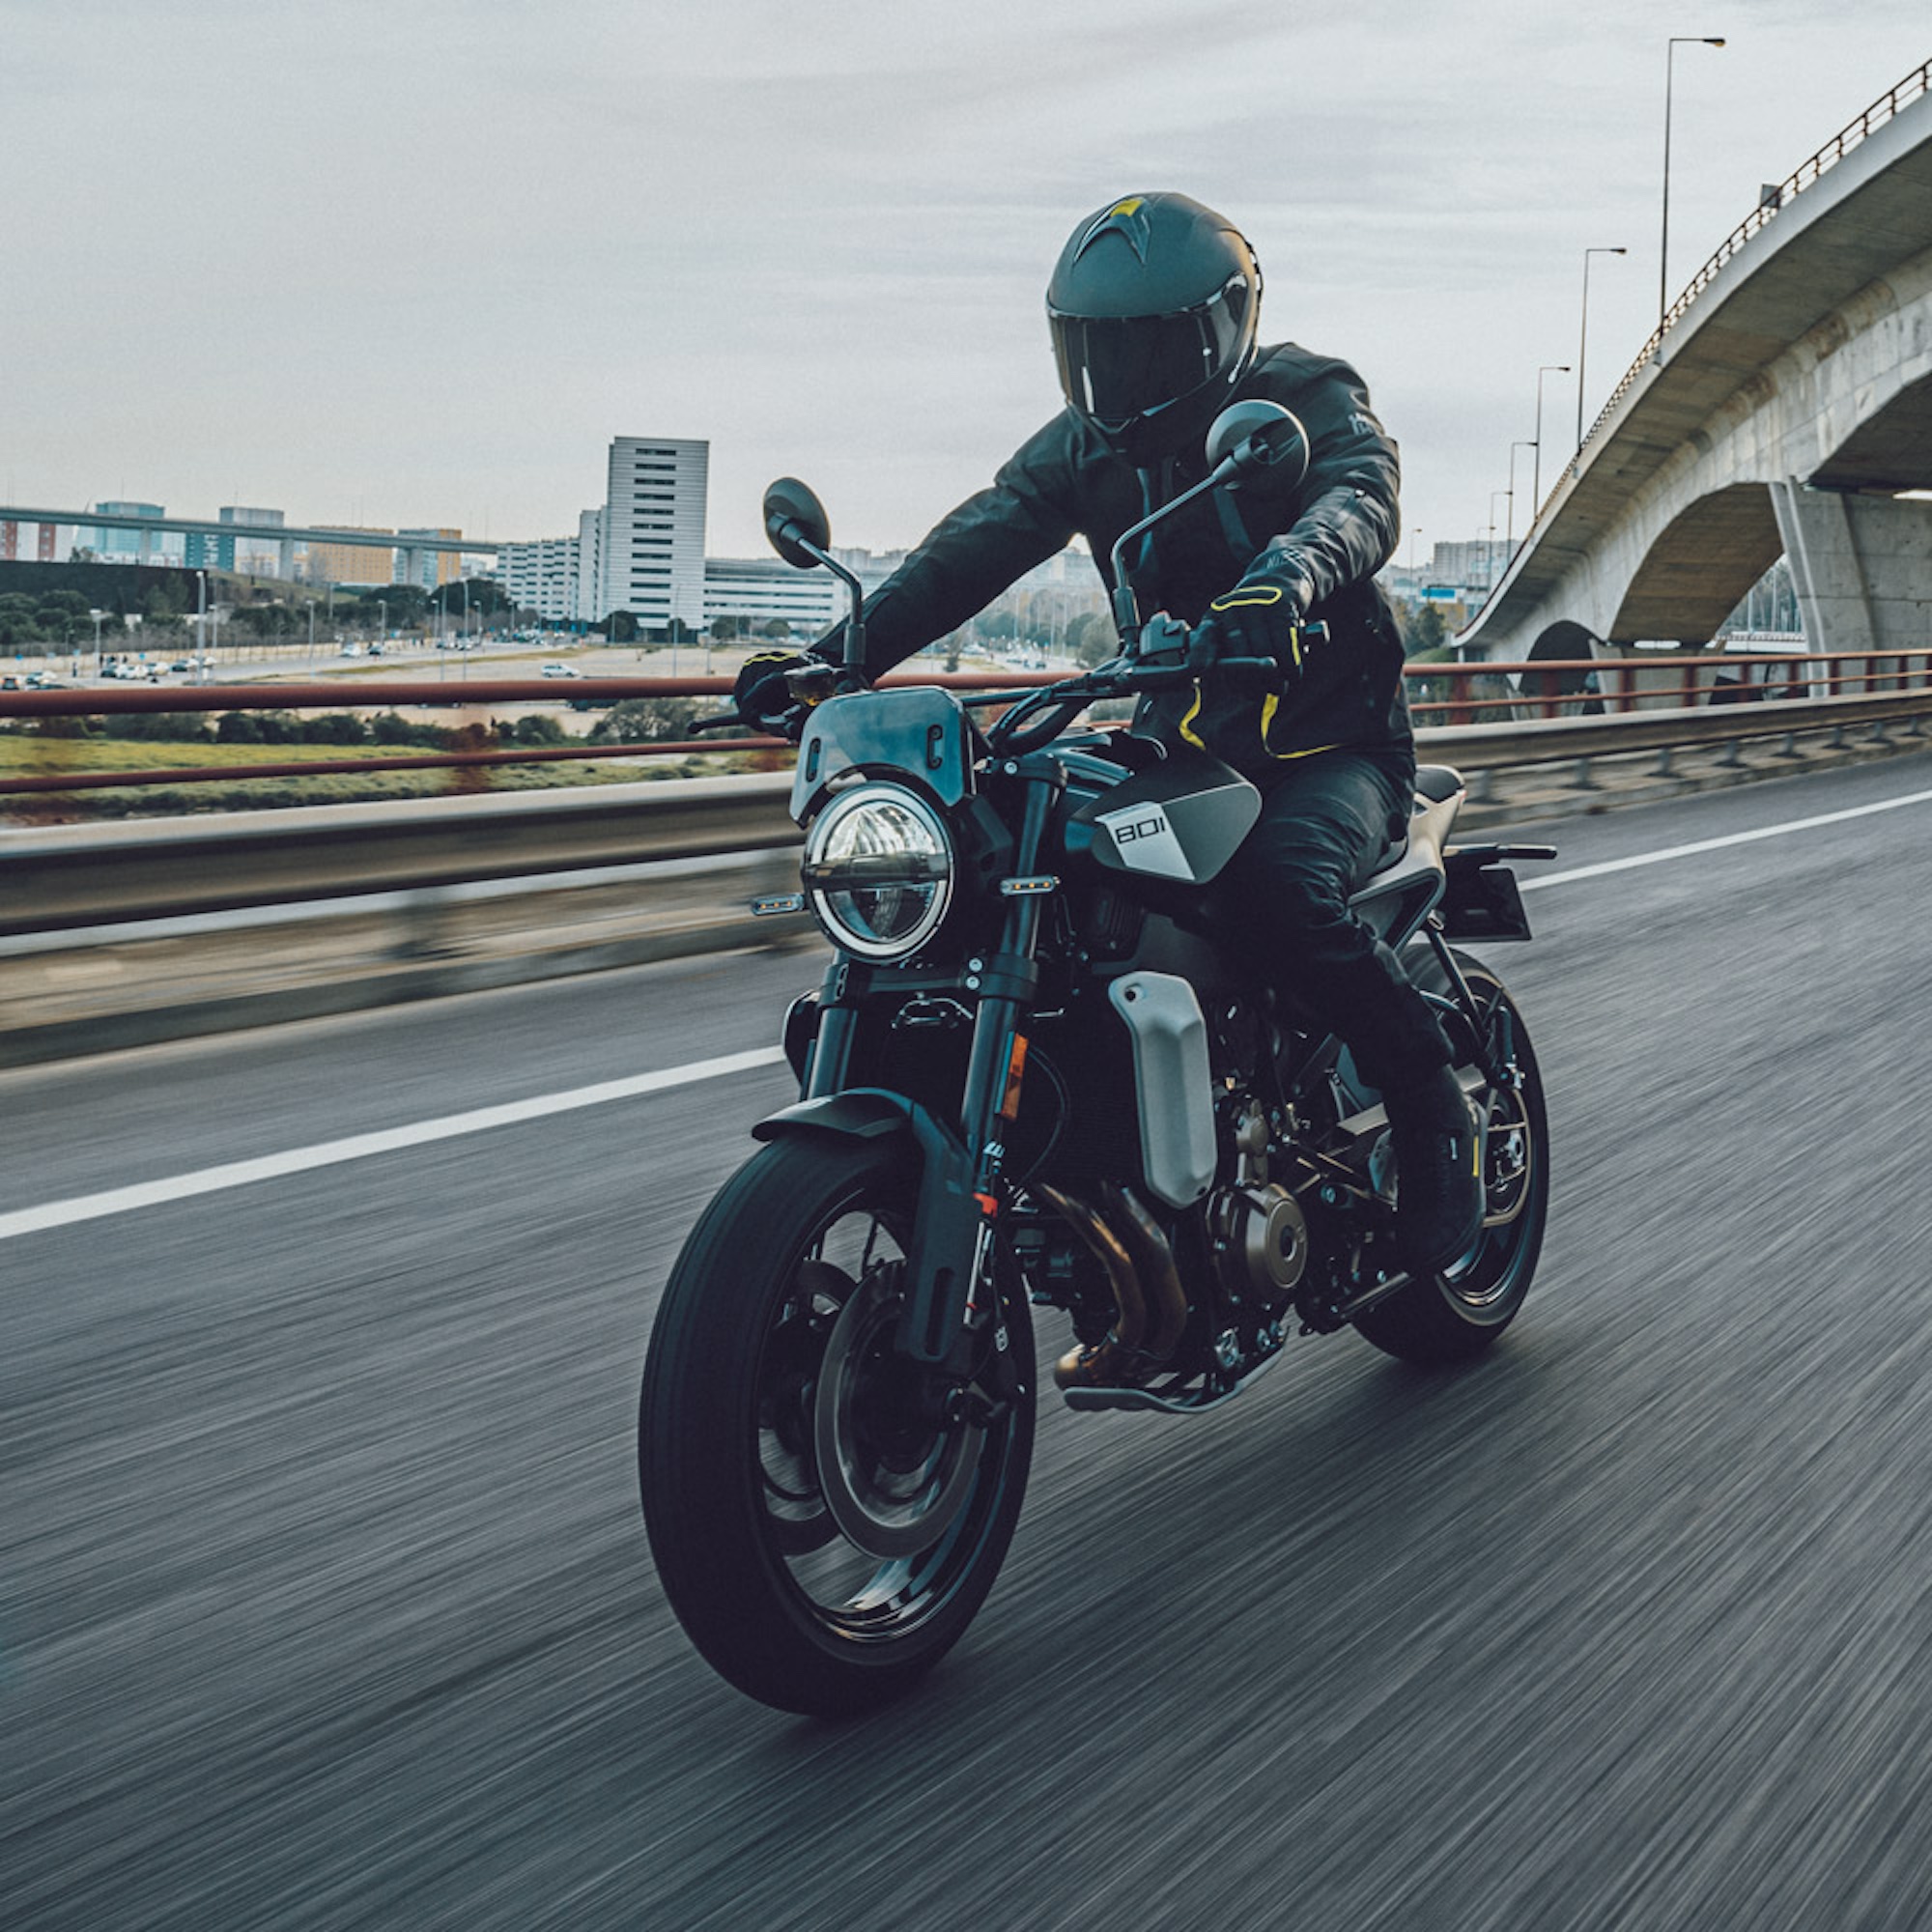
(899, 1440)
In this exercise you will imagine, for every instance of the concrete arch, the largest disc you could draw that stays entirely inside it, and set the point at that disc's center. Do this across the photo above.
(1890, 450)
(1699, 566)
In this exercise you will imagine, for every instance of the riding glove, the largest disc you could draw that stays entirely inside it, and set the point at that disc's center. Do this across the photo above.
(1261, 617)
(761, 695)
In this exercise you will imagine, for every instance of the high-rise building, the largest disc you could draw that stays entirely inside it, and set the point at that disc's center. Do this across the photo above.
(653, 530)
(352, 563)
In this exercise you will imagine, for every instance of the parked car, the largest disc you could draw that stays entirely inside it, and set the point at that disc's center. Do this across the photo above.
(560, 670)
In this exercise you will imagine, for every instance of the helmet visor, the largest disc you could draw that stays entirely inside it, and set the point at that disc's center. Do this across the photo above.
(1115, 368)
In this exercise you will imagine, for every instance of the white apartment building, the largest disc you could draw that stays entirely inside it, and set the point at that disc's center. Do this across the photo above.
(589, 565)
(653, 530)
(542, 577)
(760, 588)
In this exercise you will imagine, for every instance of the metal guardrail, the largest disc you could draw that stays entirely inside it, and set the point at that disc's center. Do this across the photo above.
(70, 877)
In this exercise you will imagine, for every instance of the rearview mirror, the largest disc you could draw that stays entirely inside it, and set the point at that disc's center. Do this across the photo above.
(1255, 436)
(795, 523)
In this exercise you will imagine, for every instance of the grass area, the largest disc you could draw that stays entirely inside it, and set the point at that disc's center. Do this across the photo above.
(22, 755)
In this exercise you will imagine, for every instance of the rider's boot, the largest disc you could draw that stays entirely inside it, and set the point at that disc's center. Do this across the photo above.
(1438, 1188)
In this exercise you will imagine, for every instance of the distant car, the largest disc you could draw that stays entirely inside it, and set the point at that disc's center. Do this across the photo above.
(352, 650)
(560, 670)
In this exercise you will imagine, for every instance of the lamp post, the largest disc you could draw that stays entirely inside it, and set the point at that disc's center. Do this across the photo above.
(1583, 334)
(1508, 535)
(1663, 244)
(1536, 466)
(1490, 553)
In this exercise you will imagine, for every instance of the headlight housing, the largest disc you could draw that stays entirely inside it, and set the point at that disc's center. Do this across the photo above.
(878, 869)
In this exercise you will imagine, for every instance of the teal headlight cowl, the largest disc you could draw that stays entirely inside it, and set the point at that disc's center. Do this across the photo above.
(878, 869)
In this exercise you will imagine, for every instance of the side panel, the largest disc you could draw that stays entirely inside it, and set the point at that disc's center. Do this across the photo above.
(1173, 1083)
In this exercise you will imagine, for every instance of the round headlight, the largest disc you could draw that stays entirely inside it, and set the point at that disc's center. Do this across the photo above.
(878, 865)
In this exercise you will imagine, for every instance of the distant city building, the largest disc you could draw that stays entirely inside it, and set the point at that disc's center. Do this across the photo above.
(758, 590)
(542, 577)
(589, 566)
(352, 563)
(252, 557)
(428, 569)
(653, 530)
(117, 546)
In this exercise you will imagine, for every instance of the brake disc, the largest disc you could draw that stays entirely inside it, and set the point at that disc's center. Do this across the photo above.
(892, 1476)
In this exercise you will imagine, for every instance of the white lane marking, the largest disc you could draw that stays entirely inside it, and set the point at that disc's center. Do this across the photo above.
(1630, 864)
(360, 1147)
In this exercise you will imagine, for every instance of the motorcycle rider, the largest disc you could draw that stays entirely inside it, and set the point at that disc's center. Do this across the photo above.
(1154, 308)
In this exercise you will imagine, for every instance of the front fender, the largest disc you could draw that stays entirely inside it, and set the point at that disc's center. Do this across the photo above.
(863, 1113)
(943, 1245)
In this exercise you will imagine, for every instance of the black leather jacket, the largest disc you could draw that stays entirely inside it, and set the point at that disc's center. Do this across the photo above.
(1328, 536)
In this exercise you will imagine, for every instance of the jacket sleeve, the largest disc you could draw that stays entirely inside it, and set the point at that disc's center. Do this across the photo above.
(1347, 522)
(989, 542)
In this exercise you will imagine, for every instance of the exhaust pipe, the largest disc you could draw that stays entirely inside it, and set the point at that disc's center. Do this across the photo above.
(1151, 1305)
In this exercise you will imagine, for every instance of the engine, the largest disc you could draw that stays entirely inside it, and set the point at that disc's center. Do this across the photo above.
(1258, 1234)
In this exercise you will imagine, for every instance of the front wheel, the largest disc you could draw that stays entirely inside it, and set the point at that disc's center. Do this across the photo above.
(1458, 1314)
(827, 1516)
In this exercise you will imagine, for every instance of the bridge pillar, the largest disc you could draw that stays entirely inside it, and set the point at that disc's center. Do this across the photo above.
(1862, 566)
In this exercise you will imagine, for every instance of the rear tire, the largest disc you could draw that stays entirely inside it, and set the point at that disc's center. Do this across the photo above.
(778, 1423)
(1460, 1313)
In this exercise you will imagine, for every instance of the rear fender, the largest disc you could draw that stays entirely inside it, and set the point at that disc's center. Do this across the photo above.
(943, 1244)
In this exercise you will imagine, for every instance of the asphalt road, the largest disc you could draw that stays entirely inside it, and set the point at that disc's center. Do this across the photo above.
(324, 1602)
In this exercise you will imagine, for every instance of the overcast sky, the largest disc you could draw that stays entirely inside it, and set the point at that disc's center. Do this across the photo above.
(415, 263)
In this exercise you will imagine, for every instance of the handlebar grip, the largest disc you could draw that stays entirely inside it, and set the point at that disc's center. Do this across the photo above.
(1252, 674)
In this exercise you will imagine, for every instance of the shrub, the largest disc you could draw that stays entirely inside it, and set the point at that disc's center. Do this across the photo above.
(645, 721)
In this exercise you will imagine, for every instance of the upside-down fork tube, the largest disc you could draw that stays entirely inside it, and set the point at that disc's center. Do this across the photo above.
(1151, 1305)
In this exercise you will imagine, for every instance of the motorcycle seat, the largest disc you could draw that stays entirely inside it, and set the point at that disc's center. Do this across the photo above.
(1433, 784)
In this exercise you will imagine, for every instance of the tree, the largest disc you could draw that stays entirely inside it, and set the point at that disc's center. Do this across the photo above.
(724, 629)
(1090, 639)
(1423, 628)
(774, 627)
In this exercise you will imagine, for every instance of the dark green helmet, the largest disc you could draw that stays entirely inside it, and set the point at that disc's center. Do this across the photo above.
(1153, 307)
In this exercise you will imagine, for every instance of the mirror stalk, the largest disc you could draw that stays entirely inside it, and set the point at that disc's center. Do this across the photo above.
(855, 625)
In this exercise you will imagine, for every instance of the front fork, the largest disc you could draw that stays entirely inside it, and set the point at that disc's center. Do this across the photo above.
(949, 1259)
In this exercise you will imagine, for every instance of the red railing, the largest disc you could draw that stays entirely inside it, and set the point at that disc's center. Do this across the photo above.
(1440, 694)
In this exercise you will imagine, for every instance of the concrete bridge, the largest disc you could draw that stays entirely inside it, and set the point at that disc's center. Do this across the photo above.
(1782, 408)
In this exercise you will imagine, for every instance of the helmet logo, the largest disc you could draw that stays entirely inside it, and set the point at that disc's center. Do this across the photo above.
(1126, 218)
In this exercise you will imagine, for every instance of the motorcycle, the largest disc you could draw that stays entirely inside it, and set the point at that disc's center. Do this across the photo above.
(1036, 1076)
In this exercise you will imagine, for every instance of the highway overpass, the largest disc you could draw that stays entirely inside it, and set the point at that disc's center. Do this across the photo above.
(1784, 408)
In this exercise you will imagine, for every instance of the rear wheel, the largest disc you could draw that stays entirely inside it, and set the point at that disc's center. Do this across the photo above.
(827, 1516)
(1461, 1312)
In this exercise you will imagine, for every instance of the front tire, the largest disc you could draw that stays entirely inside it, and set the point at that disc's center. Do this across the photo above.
(827, 1518)
(1460, 1313)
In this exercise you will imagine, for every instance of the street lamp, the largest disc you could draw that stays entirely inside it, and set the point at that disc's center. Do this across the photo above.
(1508, 535)
(1536, 466)
(1663, 244)
(1583, 334)
(1491, 552)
